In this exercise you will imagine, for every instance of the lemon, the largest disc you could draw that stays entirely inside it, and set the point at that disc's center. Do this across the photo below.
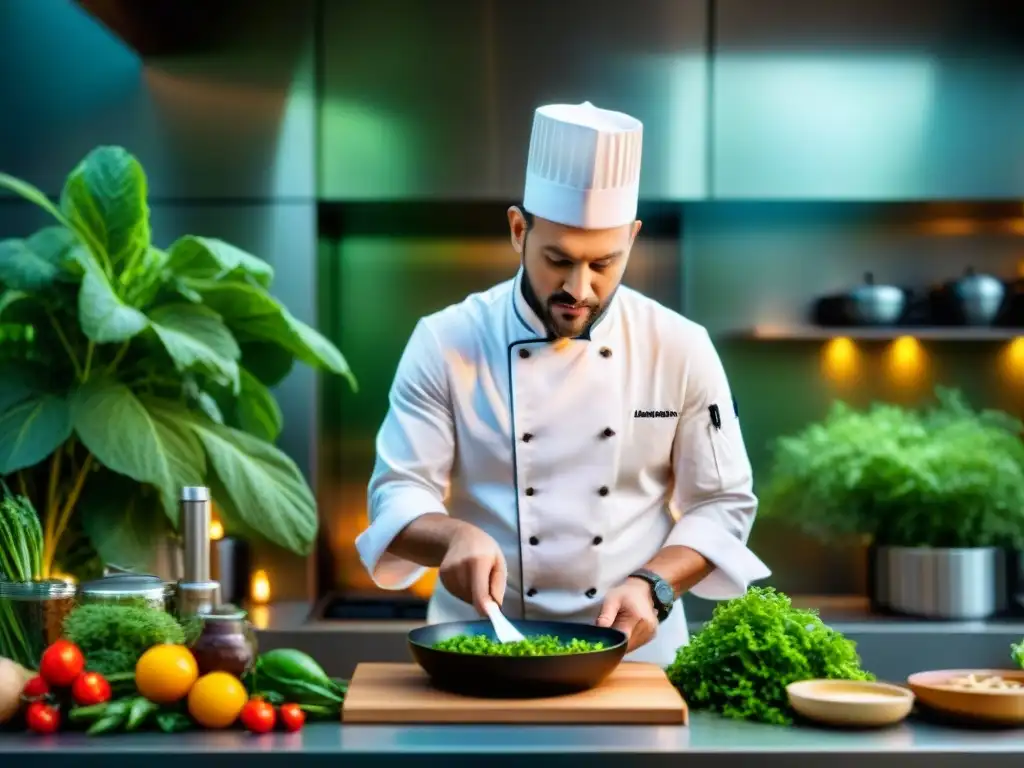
(165, 673)
(217, 699)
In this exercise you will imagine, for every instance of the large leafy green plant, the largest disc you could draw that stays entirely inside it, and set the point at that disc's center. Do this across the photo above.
(942, 476)
(128, 371)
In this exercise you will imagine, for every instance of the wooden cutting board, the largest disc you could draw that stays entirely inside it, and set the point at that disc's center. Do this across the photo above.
(634, 693)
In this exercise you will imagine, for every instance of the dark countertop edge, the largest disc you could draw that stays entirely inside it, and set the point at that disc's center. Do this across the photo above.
(715, 737)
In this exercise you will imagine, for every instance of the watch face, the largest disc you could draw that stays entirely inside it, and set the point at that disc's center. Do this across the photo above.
(664, 593)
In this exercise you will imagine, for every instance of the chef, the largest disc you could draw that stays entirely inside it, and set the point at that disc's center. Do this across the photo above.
(560, 443)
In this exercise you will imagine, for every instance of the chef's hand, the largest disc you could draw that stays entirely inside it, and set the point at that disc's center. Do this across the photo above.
(629, 607)
(474, 569)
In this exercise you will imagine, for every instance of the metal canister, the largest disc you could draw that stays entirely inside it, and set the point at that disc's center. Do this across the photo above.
(195, 516)
(128, 589)
(194, 598)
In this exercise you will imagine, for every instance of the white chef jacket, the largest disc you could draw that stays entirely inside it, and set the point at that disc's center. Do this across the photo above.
(580, 457)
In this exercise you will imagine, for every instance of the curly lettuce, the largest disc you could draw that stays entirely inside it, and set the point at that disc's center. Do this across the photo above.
(1017, 653)
(741, 661)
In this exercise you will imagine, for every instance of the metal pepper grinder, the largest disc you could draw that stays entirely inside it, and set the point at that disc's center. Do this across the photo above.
(197, 592)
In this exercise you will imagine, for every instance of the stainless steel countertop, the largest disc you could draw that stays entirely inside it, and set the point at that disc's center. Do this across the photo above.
(709, 740)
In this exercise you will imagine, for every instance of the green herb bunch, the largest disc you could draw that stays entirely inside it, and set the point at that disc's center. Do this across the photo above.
(741, 661)
(114, 637)
(133, 370)
(941, 476)
(538, 645)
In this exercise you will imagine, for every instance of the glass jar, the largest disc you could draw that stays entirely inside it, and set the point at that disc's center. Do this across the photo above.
(132, 589)
(226, 642)
(32, 617)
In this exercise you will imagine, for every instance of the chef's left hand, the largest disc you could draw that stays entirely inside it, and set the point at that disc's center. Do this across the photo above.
(630, 608)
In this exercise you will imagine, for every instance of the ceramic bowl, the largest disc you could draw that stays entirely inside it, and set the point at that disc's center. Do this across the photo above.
(946, 692)
(850, 703)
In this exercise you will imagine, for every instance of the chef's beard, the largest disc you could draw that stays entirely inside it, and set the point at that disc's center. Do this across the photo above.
(546, 311)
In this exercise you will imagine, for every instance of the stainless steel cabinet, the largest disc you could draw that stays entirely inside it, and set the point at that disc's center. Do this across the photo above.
(867, 99)
(235, 123)
(436, 99)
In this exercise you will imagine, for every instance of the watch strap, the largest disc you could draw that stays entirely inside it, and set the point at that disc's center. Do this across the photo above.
(661, 607)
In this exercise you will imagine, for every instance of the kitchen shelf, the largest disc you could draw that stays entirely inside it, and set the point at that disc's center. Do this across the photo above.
(875, 333)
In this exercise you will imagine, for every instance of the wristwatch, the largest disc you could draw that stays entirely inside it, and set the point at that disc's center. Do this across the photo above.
(662, 594)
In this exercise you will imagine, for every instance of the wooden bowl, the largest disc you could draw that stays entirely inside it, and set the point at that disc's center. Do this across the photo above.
(850, 703)
(934, 689)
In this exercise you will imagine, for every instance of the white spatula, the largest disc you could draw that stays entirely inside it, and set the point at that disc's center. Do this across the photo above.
(503, 627)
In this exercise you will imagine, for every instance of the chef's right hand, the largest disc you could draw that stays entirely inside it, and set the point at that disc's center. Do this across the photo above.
(474, 569)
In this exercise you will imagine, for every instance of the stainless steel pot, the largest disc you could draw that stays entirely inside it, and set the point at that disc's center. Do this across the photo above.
(941, 583)
(871, 304)
(979, 297)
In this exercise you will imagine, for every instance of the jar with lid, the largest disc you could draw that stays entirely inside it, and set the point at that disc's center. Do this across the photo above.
(32, 617)
(132, 589)
(226, 642)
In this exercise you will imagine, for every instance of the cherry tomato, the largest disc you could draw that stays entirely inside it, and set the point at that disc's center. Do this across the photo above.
(258, 716)
(42, 718)
(90, 688)
(292, 717)
(35, 688)
(62, 662)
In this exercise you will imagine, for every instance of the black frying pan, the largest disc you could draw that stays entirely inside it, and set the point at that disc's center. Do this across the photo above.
(517, 676)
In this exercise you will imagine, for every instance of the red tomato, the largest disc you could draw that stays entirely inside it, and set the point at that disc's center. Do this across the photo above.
(292, 717)
(90, 688)
(35, 688)
(258, 716)
(42, 718)
(62, 662)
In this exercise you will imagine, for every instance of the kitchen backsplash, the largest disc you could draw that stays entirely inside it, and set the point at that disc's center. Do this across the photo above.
(731, 267)
(744, 102)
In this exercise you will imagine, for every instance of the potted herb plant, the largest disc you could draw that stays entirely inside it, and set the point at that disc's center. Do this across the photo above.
(134, 369)
(937, 493)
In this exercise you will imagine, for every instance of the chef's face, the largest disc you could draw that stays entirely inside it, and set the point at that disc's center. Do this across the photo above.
(573, 273)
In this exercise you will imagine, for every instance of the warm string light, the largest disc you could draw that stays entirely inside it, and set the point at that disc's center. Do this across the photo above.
(1012, 361)
(906, 360)
(259, 589)
(840, 360)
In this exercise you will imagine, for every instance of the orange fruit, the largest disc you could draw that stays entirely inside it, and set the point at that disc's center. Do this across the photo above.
(165, 673)
(216, 700)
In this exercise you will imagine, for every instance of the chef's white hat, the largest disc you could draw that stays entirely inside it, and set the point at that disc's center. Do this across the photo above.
(584, 166)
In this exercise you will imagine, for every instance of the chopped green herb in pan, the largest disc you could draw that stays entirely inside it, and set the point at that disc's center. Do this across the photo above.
(540, 645)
